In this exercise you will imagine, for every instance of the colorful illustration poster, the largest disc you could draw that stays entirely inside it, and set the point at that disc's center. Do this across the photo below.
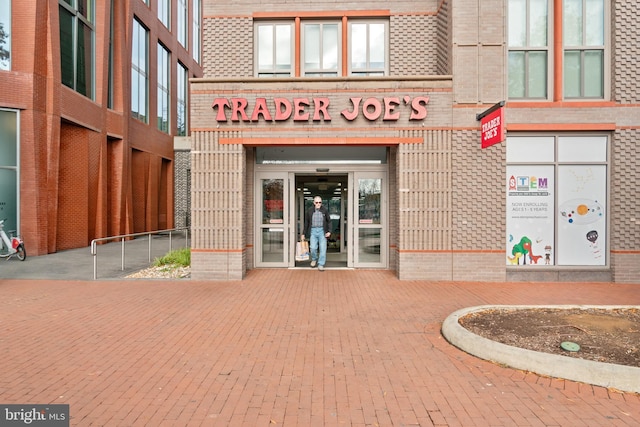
(582, 214)
(530, 215)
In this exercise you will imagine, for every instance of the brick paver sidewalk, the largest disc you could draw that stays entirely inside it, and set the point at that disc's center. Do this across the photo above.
(283, 348)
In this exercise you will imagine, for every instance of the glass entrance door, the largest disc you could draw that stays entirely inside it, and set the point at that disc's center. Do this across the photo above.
(357, 203)
(272, 213)
(369, 220)
(333, 189)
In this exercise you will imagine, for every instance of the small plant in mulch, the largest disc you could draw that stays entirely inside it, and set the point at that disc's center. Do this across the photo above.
(174, 259)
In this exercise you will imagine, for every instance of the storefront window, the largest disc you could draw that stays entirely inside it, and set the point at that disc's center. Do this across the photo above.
(9, 168)
(556, 200)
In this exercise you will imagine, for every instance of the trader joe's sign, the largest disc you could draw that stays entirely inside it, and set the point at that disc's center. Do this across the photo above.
(319, 109)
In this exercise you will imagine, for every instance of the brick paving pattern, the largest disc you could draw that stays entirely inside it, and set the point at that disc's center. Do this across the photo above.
(283, 348)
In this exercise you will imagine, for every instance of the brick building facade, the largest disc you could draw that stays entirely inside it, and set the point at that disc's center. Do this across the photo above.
(83, 157)
(416, 193)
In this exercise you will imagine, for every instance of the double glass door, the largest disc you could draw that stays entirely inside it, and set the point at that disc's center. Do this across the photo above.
(357, 204)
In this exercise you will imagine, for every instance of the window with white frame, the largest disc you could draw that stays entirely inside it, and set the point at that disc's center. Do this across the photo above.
(530, 49)
(584, 55)
(164, 12)
(139, 72)
(274, 52)
(368, 48)
(321, 49)
(196, 53)
(77, 33)
(181, 97)
(320, 46)
(5, 35)
(528, 43)
(183, 23)
(164, 79)
(556, 208)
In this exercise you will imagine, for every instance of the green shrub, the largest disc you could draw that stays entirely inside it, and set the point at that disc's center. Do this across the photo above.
(180, 257)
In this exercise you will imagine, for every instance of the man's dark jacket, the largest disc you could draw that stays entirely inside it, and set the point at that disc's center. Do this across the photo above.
(307, 221)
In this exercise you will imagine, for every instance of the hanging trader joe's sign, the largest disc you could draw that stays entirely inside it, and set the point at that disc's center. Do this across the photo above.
(318, 109)
(492, 125)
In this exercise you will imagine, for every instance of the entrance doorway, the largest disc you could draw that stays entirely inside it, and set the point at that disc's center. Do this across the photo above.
(333, 189)
(353, 184)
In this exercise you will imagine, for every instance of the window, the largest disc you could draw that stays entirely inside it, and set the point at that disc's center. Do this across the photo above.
(581, 25)
(10, 168)
(528, 41)
(368, 48)
(181, 108)
(164, 78)
(110, 84)
(164, 12)
(275, 49)
(557, 200)
(583, 40)
(5, 35)
(183, 24)
(76, 45)
(196, 31)
(321, 43)
(139, 72)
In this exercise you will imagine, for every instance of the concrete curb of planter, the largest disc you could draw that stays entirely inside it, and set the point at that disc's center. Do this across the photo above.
(619, 377)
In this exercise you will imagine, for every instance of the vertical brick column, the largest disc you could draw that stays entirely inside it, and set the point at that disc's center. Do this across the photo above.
(424, 207)
(217, 208)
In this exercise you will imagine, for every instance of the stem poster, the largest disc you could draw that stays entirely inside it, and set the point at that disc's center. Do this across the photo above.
(530, 215)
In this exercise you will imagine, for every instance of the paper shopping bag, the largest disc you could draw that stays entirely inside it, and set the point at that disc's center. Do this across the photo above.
(302, 251)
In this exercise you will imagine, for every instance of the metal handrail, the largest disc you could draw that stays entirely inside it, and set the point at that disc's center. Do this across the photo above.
(123, 237)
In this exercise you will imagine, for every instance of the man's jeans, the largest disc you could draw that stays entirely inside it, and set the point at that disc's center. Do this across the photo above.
(318, 239)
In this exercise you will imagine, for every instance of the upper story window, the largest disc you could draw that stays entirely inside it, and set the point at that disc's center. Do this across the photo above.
(164, 12)
(181, 99)
(580, 25)
(321, 48)
(77, 32)
(368, 48)
(196, 30)
(164, 79)
(5, 35)
(528, 42)
(139, 72)
(275, 49)
(583, 42)
(183, 23)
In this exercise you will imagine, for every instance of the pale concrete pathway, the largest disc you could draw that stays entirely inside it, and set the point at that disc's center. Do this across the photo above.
(283, 348)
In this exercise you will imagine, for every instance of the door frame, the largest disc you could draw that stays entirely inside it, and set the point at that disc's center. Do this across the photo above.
(290, 227)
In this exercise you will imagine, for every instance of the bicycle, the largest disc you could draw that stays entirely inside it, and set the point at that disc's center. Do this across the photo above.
(11, 245)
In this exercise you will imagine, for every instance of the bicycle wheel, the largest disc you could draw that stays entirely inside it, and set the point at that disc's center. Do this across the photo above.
(22, 252)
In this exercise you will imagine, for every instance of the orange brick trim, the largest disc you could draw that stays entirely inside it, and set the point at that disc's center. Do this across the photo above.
(325, 14)
(562, 104)
(626, 252)
(520, 127)
(320, 141)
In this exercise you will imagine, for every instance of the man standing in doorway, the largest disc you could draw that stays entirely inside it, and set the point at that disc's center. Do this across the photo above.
(317, 224)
